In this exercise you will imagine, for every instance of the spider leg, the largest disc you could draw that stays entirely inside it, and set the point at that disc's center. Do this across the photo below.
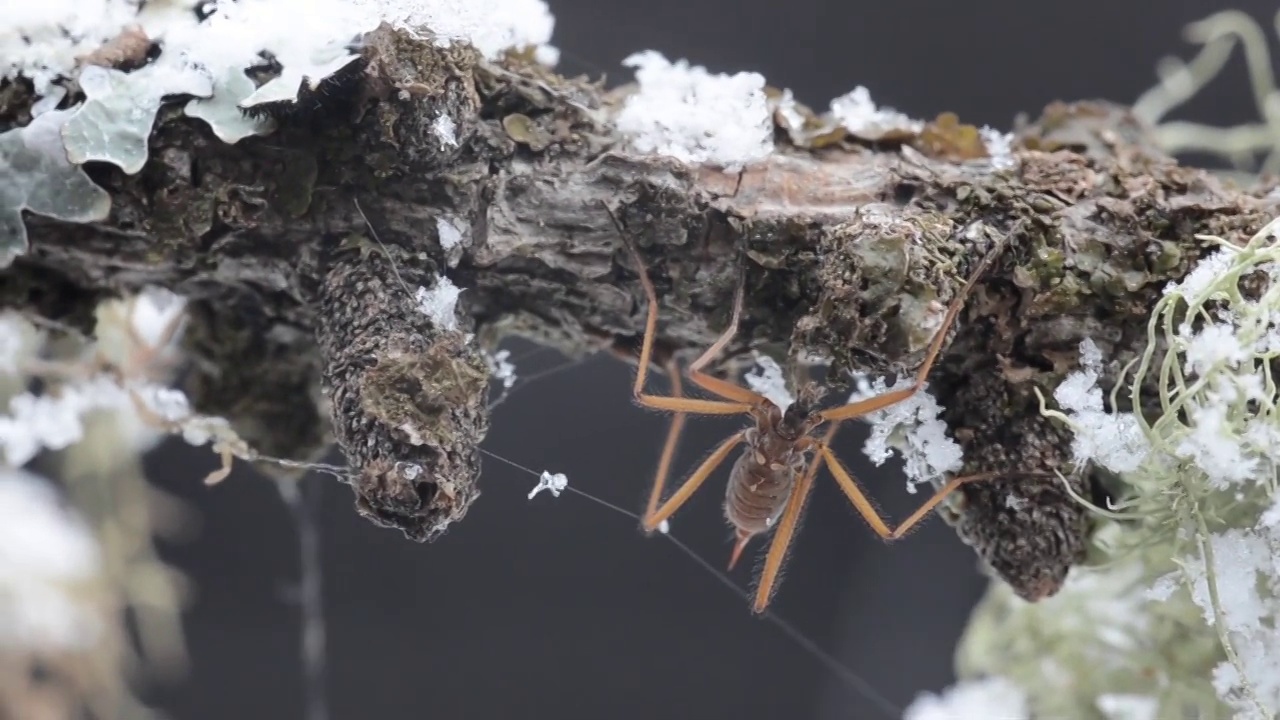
(736, 399)
(669, 447)
(868, 512)
(893, 397)
(787, 525)
(652, 520)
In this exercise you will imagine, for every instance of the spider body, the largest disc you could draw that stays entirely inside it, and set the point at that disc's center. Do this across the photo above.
(772, 477)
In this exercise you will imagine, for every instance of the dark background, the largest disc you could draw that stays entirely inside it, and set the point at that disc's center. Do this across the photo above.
(559, 608)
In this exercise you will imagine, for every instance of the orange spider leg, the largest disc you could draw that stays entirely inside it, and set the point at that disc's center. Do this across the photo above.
(652, 520)
(868, 512)
(743, 400)
(786, 529)
(893, 397)
(669, 447)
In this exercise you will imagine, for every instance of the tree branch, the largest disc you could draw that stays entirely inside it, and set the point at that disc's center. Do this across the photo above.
(853, 250)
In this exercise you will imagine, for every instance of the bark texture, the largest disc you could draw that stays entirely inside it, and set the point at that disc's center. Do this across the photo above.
(852, 251)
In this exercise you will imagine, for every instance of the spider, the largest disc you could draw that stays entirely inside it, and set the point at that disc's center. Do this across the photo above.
(769, 483)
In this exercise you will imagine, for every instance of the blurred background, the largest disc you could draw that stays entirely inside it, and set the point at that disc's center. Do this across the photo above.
(560, 608)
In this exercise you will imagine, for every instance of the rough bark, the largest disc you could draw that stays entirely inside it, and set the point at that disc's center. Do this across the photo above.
(851, 252)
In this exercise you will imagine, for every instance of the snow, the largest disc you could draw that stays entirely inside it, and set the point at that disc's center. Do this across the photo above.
(41, 40)
(501, 368)
(46, 551)
(552, 483)
(450, 234)
(859, 115)
(767, 379)
(446, 130)
(913, 428)
(695, 116)
(999, 146)
(53, 420)
(491, 26)
(440, 303)
(991, 698)
(1206, 272)
(1113, 440)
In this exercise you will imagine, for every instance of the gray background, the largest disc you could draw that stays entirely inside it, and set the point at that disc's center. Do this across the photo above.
(558, 608)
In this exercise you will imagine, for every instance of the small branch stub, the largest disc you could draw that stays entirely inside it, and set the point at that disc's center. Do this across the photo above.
(408, 396)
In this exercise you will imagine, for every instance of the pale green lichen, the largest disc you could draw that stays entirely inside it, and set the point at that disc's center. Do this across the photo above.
(1177, 614)
(222, 111)
(114, 122)
(36, 175)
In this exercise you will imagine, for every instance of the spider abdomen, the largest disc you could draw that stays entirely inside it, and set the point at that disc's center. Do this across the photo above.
(757, 492)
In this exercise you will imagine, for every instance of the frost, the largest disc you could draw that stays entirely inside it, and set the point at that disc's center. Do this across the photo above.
(991, 698)
(222, 111)
(1246, 578)
(501, 368)
(554, 484)
(47, 553)
(41, 39)
(491, 26)
(446, 131)
(999, 147)
(1113, 440)
(440, 303)
(35, 175)
(451, 239)
(1205, 273)
(913, 428)
(767, 380)
(53, 421)
(859, 115)
(697, 117)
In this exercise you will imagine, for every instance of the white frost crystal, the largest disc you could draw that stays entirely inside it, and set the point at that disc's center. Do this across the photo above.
(696, 116)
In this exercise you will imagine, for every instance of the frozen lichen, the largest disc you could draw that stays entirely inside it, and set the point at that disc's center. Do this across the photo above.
(35, 175)
(696, 116)
(1178, 614)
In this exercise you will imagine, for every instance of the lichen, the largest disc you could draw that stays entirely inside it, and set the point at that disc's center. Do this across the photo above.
(114, 122)
(222, 110)
(35, 175)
